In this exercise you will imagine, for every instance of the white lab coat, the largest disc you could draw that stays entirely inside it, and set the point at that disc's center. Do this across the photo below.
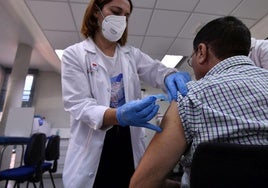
(86, 95)
(259, 52)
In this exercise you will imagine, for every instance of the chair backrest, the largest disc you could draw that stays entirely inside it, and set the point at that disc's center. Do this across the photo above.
(35, 150)
(229, 165)
(53, 148)
(53, 151)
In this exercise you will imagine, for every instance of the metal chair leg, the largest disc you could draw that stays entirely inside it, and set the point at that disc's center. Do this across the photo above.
(52, 180)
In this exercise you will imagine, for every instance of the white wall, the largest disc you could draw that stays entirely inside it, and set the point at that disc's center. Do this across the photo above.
(48, 99)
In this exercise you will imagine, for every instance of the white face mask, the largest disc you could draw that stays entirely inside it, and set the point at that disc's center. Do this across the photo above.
(113, 27)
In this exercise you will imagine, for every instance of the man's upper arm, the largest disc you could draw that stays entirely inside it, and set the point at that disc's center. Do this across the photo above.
(163, 152)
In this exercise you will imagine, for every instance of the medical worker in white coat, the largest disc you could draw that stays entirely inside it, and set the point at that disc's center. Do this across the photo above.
(101, 91)
(259, 52)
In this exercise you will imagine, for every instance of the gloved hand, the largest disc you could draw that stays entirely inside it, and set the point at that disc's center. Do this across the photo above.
(177, 82)
(137, 113)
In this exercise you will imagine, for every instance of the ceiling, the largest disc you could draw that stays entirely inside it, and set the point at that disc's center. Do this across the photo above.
(157, 27)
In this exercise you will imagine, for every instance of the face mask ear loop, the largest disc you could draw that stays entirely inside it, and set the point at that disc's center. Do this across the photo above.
(100, 11)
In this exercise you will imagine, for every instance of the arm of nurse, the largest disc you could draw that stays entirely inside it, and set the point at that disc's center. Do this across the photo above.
(163, 152)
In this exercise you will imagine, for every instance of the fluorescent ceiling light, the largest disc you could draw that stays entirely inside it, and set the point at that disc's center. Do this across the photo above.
(171, 60)
(59, 53)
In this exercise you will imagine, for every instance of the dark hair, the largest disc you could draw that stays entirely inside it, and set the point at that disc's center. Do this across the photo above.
(226, 36)
(90, 23)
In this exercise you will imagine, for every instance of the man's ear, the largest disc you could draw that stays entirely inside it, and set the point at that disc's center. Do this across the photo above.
(202, 53)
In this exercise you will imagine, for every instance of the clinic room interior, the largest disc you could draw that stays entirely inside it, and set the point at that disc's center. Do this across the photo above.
(34, 33)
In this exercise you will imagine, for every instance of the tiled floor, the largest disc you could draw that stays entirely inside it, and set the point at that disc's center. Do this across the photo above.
(47, 183)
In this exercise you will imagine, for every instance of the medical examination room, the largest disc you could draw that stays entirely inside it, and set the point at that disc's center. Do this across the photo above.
(134, 93)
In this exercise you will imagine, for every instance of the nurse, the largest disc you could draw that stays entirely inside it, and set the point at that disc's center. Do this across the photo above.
(101, 91)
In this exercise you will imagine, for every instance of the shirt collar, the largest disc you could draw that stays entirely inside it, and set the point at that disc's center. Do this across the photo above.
(230, 62)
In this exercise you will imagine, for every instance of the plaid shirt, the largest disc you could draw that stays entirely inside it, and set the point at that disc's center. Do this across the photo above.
(229, 104)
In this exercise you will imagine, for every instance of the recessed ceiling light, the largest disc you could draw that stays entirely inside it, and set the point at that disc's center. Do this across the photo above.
(171, 60)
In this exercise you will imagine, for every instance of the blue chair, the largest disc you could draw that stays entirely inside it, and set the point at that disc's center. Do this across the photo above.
(52, 154)
(31, 170)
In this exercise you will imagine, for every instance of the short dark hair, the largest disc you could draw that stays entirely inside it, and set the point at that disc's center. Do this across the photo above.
(90, 23)
(226, 36)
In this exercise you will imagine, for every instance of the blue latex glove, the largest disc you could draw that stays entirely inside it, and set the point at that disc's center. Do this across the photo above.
(137, 113)
(177, 82)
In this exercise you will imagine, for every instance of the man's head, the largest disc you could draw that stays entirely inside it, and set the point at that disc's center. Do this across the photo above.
(217, 40)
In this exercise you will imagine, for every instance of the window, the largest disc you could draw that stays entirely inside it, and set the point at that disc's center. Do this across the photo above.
(27, 92)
